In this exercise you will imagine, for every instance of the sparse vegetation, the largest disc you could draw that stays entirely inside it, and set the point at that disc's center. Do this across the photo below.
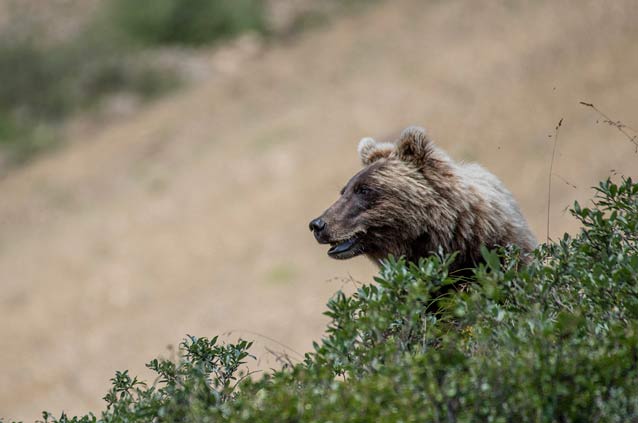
(192, 22)
(556, 340)
(45, 82)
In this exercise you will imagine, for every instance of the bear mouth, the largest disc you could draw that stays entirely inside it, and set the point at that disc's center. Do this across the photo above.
(345, 249)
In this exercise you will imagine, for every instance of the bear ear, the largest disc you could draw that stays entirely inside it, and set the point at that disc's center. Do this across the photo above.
(370, 151)
(414, 146)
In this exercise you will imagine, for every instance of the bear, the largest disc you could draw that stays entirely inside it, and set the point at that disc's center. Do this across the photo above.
(412, 200)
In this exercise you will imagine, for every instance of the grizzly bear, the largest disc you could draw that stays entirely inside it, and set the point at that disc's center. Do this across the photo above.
(411, 199)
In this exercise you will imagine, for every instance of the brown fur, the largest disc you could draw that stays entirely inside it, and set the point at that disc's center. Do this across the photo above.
(411, 199)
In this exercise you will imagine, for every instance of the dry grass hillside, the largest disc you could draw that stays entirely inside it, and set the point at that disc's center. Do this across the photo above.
(191, 216)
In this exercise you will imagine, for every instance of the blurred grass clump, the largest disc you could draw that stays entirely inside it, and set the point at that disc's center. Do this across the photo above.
(46, 79)
(187, 22)
(44, 84)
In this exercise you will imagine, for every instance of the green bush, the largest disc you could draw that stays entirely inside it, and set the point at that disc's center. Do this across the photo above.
(191, 22)
(552, 341)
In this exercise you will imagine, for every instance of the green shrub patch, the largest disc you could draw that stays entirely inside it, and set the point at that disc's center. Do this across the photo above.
(552, 341)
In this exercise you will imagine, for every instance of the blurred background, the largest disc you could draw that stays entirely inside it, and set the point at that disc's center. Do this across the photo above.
(160, 159)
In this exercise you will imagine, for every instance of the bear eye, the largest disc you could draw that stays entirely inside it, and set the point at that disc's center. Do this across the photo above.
(362, 190)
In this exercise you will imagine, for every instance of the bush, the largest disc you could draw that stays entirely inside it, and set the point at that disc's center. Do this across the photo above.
(190, 22)
(553, 341)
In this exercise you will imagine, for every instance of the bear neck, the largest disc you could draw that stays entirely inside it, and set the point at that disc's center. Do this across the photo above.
(463, 223)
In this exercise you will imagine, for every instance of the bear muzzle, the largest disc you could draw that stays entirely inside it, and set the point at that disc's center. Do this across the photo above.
(340, 248)
(319, 229)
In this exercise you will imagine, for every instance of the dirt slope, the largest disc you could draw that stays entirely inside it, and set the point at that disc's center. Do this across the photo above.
(191, 217)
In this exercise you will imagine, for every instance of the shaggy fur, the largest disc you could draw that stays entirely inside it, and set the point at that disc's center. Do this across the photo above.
(411, 199)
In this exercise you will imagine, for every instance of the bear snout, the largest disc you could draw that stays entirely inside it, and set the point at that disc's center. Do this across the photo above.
(317, 227)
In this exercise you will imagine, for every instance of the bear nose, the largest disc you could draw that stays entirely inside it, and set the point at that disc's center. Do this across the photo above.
(317, 225)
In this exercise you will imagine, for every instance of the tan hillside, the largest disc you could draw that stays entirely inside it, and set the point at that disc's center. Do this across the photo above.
(191, 216)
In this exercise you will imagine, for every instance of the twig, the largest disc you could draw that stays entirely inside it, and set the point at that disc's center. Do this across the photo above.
(248, 374)
(281, 357)
(566, 181)
(281, 344)
(624, 129)
(345, 280)
(551, 169)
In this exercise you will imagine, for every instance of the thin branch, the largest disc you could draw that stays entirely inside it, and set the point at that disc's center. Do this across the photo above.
(281, 344)
(551, 169)
(566, 181)
(624, 129)
(248, 374)
(281, 357)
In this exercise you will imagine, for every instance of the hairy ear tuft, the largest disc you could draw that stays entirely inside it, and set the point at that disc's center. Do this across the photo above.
(370, 151)
(414, 145)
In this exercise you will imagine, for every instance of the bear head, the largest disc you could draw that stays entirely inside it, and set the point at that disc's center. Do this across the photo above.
(389, 205)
